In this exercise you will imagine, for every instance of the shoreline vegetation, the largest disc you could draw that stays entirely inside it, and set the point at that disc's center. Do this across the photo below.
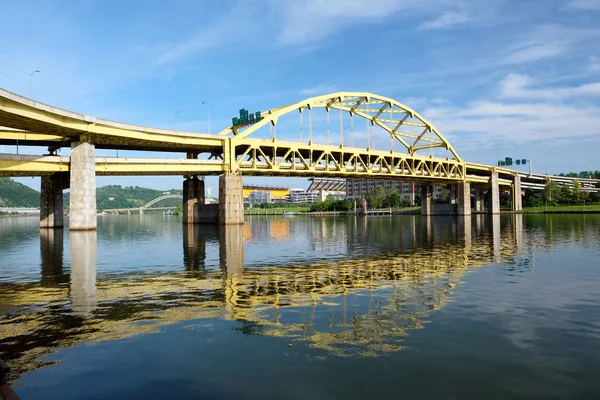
(594, 209)
(577, 209)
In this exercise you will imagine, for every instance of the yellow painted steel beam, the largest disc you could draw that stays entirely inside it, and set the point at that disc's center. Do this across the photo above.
(21, 165)
(9, 134)
(15, 165)
(19, 112)
(151, 166)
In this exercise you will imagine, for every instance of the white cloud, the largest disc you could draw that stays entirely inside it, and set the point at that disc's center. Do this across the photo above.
(449, 19)
(519, 86)
(550, 41)
(584, 4)
(224, 30)
(532, 51)
(310, 20)
(492, 123)
(540, 117)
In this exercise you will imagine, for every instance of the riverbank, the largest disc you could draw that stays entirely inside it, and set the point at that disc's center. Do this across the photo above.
(305, 211)
(579, 209)
(275, 211)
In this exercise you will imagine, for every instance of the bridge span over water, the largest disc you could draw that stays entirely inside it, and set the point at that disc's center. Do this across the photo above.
(397, 143)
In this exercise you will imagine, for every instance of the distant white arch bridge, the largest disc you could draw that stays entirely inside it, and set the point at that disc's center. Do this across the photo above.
(161, 198)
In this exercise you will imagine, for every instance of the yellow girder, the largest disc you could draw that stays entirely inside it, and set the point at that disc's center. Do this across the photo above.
(24, 114)
(274, 157)
(26, 165)
(9, 134)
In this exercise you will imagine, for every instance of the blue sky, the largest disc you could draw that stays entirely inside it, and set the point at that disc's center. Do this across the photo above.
(497, 78)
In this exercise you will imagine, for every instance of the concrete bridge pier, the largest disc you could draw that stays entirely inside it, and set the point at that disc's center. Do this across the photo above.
(82, 214)
(478, 199)
(426, 198)
(231, 200)
(193, 197)
(453, 195)
(463, 198)
(494, 195)
(517, 203)
(51, 200)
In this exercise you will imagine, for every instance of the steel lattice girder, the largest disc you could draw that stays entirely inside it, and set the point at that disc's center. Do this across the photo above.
(379, 110)
(256, 156)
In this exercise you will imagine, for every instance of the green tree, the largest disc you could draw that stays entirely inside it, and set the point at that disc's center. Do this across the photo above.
(531, 200)
(565, 195)
(394, 199)
(577, 195)
(551, 192)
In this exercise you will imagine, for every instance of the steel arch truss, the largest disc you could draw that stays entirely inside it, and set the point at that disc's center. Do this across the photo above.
(265, 157)
(390, 115)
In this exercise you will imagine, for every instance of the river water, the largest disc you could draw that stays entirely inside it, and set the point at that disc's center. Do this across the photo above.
(504, 307)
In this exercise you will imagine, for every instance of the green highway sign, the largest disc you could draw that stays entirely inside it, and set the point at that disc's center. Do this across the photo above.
(246, 118)
(508, 161)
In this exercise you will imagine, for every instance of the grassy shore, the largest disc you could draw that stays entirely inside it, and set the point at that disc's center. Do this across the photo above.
(592, 207)
(408, 208)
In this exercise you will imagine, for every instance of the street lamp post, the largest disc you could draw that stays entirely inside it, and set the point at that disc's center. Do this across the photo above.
(207, 113)
(345, 136)
(30, 75)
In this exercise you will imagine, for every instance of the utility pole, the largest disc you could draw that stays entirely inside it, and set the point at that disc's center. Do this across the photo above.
(208, 113)
(30, 76)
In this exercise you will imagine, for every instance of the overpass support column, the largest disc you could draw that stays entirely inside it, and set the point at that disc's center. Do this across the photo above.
(494, 198)
(517, 198)
(453, 193)
(82, 215)
(193, 198)
(478, 199)
(463, 198)
(51, 200)
(426, 198)
(231, 200)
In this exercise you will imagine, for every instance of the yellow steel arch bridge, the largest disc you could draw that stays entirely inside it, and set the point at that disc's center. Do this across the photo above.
(416, 151)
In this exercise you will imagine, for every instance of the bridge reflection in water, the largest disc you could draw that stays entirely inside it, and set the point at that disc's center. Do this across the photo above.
(378, 282)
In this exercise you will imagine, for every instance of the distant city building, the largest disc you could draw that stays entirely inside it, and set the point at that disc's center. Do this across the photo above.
(303, 196)
(277, 193)
(259, 197)
(358, 188)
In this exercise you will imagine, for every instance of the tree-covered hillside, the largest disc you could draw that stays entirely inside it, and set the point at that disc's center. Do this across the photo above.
(15, 194)
(116, 196)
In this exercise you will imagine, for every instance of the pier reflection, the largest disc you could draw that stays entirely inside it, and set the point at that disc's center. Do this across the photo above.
(195, 237)
(51, 255)
(83, 272)
(383, 278)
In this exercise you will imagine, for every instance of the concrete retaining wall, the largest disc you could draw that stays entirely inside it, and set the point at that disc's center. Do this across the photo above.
(206, 213)
(443, 209)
